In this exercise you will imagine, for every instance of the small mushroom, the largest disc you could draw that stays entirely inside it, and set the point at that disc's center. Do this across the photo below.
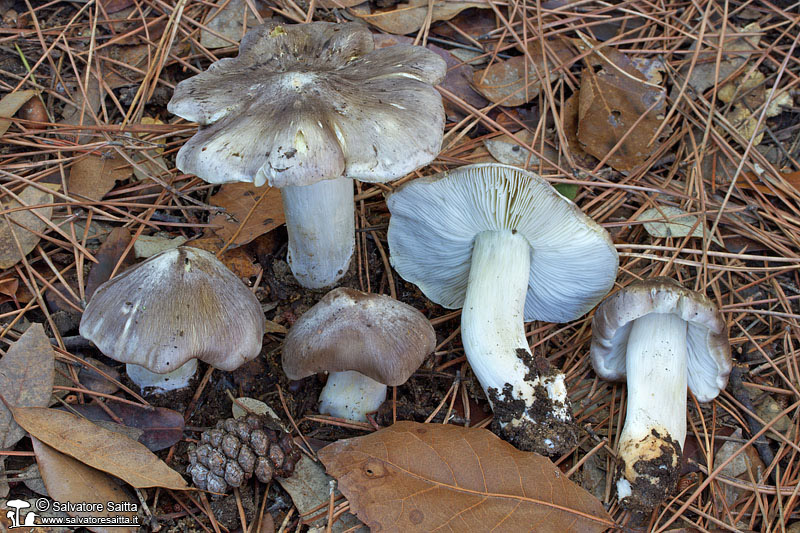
(505, 246)
(305, 108)
(660, 335)
(162, 315)
(365, 341)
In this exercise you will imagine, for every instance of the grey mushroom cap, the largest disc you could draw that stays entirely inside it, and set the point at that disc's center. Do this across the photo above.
(435, 220)
(373, 334)
(709, 362)
(307, 102)
(178, 305)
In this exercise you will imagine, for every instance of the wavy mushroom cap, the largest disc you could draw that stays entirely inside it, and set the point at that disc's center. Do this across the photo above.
(307, 102)
(178, 305)
(373, 334)
(709, 350)
(435, 220)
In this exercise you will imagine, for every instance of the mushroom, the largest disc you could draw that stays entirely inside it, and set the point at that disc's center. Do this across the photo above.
(163, 314)
(505, 246)
(660, 335)
(306, 108)
(365, 341)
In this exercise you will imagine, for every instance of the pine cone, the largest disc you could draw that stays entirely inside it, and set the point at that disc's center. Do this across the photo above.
(234, 450)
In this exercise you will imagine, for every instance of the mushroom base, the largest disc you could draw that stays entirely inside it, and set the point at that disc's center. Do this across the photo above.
(321, 229)
(351, 395)
(158, 383)
(650, 471)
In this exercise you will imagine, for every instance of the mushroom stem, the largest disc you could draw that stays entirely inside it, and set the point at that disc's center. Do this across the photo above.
(177, 379)
(321, 227)
(528, 396)
(351, 395)
(655, 423)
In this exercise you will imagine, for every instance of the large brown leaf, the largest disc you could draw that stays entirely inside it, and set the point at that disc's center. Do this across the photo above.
(432, 477)
(161, 427)
(99, 448)
(22, 223)
(405, 18)
(238, 199)
(68, 480)
(94, 176)
(26, 379)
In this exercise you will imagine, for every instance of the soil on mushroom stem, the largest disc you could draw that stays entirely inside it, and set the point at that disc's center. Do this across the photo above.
(649, 495)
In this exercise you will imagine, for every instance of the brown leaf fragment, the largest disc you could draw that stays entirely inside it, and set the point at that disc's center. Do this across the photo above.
(433, 477)
(238, 199)
(237, 260)
(10, 104)
(610, 108)
(94, 176)
(69, 480)
(99, 448)
(108, 256)
(23, 223)
(27, 372)
(405, 18)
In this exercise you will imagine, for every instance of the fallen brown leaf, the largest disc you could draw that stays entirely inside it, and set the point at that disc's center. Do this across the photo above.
(238, 199)
(27, 372)
(94, 176)
(409, 17)
(429, 477)
(237, 260)
(99, 448)
(23, 223)
(108, 256)
(10, 104)
(68, 480)
(8, 289)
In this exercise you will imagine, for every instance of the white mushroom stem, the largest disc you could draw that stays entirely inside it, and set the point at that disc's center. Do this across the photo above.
(177, 379)
(655, 424)
(351, 395)
(321, 227)
(493, 333)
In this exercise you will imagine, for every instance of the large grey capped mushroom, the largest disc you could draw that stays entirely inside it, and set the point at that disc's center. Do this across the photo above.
(365, 341)
(163, 314)
(505, 246)
(661, 336)
(305, 108)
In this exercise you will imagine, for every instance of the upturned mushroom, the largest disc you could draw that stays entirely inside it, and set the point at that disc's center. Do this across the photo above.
(167, 312)
(660, 335)
(364, 341)
(306, 108)
(506, 247)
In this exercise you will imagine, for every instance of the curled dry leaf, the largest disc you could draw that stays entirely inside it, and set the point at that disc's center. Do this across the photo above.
(668, 221)
(23, 223)
(99, 448)
(405, 18)
(94, 176)
(430, 477)
(238, 199)
(27, 372)
(10, 104)
(68, 480)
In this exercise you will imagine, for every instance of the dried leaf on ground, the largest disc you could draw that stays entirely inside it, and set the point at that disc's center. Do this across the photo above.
(425, 477)
(228, 21)
(510, 152)
(614, 104)
(23, 223)
(161, 427)
(108, 256)
(10, 104)
(27, 372)
(237, 260)
(94, 176)
(68, 480)
(668, 221)
(8, 289)
(516, 81)
(98, 447)
(409, 17)
(237, 199)
(150, 245)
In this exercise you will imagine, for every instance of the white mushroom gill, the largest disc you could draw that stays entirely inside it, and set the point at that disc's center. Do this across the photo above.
(493, 333)
(655, 424)
(351, 395)
(320, 224)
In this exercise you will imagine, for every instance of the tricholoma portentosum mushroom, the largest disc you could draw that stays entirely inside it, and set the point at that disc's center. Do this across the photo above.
(507, 248)
(167, 312)
(364, 341)
(660, 336)
(305, 108)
